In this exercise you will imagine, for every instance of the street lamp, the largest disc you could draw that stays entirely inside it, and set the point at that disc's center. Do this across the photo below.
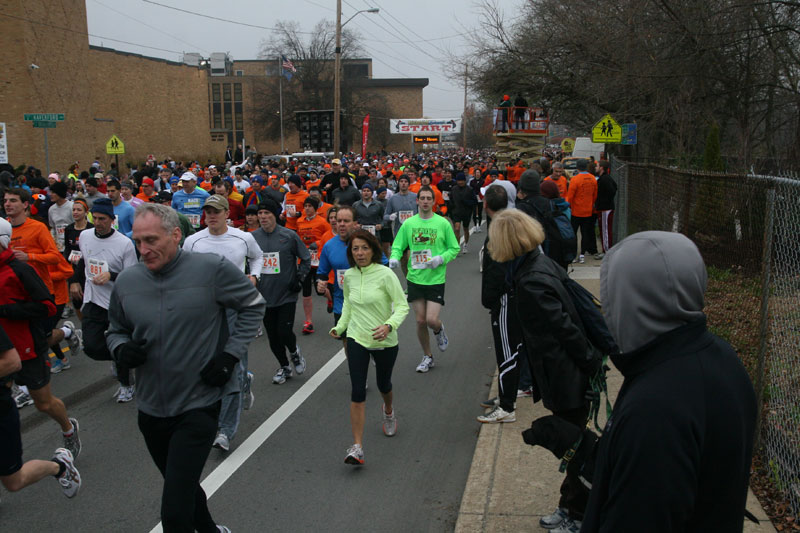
(336, 75)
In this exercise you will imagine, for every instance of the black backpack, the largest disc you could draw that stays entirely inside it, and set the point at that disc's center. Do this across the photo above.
(560, 240)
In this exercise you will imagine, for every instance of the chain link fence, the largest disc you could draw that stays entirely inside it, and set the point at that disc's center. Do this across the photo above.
(747, 227)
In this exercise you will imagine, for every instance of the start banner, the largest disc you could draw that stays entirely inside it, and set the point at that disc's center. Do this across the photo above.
(425, 125)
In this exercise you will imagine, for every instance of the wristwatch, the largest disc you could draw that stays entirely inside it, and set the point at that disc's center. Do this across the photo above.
(390, 327)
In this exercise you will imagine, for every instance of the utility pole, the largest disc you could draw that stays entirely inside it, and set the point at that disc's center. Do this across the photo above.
(336, 94)
(464, 120)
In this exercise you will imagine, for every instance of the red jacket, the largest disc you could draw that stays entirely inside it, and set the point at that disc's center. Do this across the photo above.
(25, 303)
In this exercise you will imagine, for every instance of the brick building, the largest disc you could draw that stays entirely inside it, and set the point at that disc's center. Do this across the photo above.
(154, 106)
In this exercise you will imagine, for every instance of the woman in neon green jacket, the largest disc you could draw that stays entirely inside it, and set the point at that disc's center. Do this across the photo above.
(374, 307)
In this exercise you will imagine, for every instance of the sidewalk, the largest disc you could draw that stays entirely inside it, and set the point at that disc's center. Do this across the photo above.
(510, 484)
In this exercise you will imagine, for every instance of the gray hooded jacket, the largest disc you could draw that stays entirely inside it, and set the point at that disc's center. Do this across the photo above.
(651, 283)
(178, 314)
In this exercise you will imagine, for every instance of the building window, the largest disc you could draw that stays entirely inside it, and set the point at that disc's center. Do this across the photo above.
(228, 122)
(226, 92)
(215, 92)
(237, 92)
(240, 73)
(217, 115)
(239, 121)
(272, 69)
(358, 70)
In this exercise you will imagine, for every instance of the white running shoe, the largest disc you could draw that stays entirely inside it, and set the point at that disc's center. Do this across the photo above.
(21, 398)
(75, 340)
(581, 259)
(73, 442)
(497, 415)
(283, 373)
(355, 455)
(222, 442)
(426, 364)
(441, 339)
(298, 361)
(389, 422)
(70, 479)
(248, 397)
(125, 394)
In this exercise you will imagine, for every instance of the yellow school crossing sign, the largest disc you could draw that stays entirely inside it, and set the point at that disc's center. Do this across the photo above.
(607, 130)
(567, 145)
(115, 145)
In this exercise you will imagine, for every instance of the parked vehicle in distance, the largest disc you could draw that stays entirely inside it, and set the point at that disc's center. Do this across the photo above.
(570, 165)
(585, 148)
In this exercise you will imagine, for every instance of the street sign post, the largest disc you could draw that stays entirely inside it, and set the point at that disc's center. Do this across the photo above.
(607, 130)
(115, 146)
(52, 117)
(45, 121)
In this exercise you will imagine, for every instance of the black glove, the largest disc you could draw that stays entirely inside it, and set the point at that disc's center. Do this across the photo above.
(131, 354)
(295, 286)
(218, 371)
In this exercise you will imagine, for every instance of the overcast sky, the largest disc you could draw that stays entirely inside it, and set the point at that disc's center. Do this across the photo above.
(170, 33)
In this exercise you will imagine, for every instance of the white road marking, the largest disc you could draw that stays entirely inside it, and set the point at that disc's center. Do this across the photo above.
(241, 454)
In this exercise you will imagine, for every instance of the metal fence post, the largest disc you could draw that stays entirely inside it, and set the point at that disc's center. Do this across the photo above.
(763, 328)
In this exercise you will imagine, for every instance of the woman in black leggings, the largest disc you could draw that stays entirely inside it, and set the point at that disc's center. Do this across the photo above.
(374, 307)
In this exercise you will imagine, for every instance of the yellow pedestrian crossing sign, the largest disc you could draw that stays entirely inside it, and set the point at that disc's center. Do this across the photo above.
(115, 146)
(607, 130)
(567, 145)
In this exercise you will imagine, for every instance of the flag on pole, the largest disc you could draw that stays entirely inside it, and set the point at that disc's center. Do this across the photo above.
(287, 67)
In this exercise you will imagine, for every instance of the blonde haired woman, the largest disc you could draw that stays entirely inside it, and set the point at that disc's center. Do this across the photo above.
(560, 357)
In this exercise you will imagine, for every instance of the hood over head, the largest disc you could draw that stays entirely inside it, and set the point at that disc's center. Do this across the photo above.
(651, 283)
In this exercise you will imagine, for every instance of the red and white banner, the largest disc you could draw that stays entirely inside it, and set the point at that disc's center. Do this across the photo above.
(364, 136)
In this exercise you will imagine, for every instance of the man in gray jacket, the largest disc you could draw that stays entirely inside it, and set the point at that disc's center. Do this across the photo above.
(399, 208)
(280, 282)
(168, 318)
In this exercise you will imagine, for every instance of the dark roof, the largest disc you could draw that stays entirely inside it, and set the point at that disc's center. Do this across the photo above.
(390, 82)
(167, 61)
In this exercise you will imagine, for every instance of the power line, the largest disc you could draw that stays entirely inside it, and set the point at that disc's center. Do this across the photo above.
(219, 19)
(70, 30)
(398, 20)
(162, 32)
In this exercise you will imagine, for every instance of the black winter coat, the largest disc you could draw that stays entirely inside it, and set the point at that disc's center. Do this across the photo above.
(554, 340)
(675, 454)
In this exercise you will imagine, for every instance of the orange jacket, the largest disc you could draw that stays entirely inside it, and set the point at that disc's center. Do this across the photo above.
(295, 199)
(561, 183)
(323, 209)
(312, 231)
(310, 184)
(60, 273)
(582, 194)
(33, 238)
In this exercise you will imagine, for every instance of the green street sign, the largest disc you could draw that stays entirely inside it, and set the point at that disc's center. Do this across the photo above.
(50, 117)
(44, 124)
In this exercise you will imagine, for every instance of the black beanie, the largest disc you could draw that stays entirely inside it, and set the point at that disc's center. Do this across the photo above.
(59, 188)
(271, 206)
(529, 182)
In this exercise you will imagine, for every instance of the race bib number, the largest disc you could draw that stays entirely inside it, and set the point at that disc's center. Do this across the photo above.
(340, 277)
(96, 267)
(60, 230)
(446, 196)
(272, 263)
(74, 257)
(370, 229)
(405, 215)
(314, 258)
(420, 258)
(291, 210)
(194, 220)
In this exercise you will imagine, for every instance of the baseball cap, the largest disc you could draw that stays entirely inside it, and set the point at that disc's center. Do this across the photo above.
(188, 176)
(217, 202)
(98, 176)
(148, 181)
(162, 196)
(336, 162)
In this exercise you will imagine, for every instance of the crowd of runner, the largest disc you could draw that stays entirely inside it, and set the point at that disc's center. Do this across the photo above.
(231, 249)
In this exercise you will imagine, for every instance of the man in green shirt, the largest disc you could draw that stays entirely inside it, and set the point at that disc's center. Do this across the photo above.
(432, 244)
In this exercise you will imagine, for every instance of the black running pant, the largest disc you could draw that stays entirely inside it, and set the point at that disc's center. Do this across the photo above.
(95, 324)
(358, 363)
(507, 345)
(279, 325)
(179, 446)
(588, 240)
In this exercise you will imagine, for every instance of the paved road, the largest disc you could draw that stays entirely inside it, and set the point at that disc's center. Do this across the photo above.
(296, 479)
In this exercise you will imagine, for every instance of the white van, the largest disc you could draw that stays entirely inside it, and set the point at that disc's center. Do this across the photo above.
(584, 147)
